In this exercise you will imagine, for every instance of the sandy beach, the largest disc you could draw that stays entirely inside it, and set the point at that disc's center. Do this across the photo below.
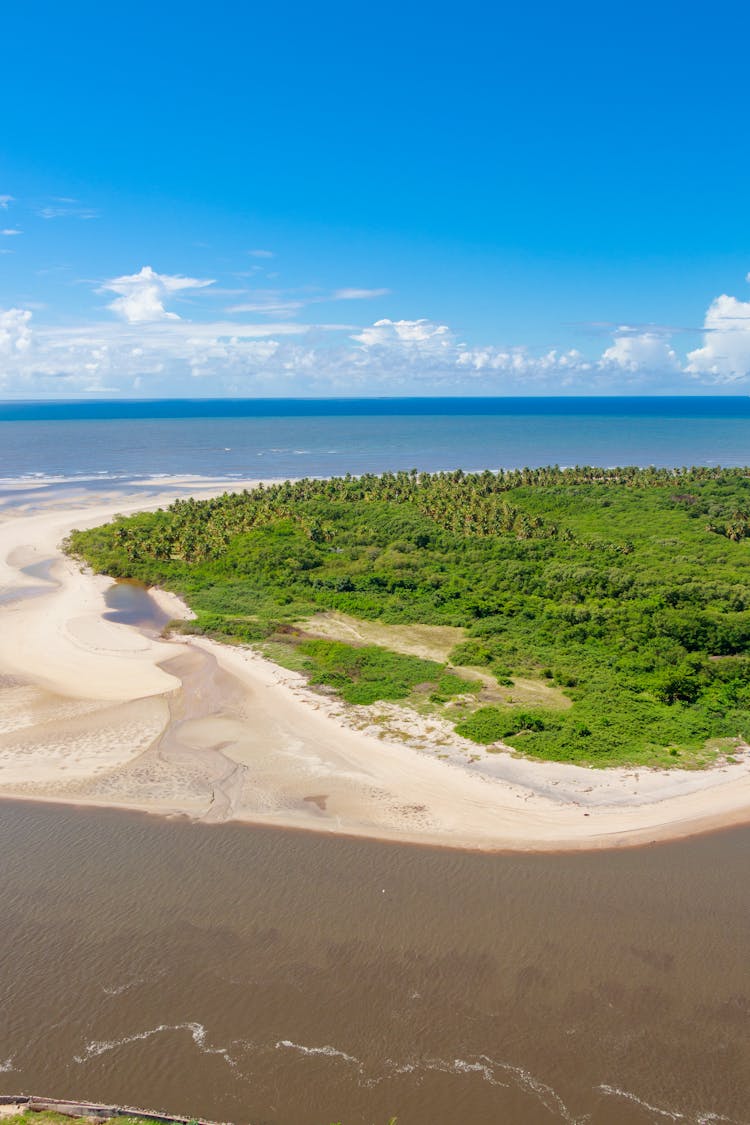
(93, 711)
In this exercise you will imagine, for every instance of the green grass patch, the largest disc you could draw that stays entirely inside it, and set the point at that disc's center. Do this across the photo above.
(369, 673)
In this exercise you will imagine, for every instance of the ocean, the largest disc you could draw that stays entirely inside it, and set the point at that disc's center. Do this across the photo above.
(271, 438)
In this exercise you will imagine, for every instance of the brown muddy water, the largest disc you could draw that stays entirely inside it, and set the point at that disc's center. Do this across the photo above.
(288, 978)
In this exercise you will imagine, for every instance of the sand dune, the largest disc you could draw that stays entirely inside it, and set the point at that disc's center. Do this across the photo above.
(92, 711)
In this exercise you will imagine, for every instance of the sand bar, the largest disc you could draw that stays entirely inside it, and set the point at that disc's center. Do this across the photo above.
(93, 711)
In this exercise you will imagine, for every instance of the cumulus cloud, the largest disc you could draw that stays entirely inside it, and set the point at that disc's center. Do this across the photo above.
(421, 335)
(15, 331)
(522, 362)
(10, 231)
(725, 354)
(148, 346)
(261, 253)
(130, 356)
(640, 351)
(424, 351)
(4, 201)
(142, 295)
(283, 357)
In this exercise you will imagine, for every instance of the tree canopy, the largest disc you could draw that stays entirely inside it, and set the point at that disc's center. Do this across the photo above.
(626, 588)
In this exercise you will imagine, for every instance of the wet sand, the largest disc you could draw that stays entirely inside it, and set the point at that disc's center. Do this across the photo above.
(94, 710)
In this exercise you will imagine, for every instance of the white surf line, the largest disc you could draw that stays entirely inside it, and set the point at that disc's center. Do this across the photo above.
(704, 1117)
(522, 1079)
(328, 1051)
(198, 1032)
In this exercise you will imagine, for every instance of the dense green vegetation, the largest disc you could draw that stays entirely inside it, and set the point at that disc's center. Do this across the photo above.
(628, 589)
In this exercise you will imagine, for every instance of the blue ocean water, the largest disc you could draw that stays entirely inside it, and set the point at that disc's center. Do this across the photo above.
(313, 437)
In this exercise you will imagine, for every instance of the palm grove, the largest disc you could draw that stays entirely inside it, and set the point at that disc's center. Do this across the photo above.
(626, 589)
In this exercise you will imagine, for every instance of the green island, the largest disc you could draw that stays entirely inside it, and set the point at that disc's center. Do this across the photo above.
(599, 616)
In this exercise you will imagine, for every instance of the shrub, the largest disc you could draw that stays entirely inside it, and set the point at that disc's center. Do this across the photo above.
(367, 674)
(492, 724)
(471, 653)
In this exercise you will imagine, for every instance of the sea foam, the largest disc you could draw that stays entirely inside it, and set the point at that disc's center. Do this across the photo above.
(331, 1052)
(197, 1031)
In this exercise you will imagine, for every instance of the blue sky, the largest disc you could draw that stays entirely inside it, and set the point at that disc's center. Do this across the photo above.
(331, 199)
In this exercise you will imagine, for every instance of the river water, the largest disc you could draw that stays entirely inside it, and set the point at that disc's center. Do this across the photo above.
(266, 976)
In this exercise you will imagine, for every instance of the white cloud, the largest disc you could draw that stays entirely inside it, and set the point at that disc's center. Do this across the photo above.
(427, 352)
(521, 362)
(142, 294)
(270, 302)
(164, 354)
(358, 294)
(10, 231)
(287, 302)
(15, 331)
(261, 253)
(725, 354)
(150, 349)
(640, 351)
(67, 209)
(268, 308)
(171, 334)
(4, 201)
(419, 335)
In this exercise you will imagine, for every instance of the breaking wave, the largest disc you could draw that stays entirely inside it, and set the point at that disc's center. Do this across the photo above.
(502, 1074)
(706, 1117)
(331, 1052)
(197, 1031)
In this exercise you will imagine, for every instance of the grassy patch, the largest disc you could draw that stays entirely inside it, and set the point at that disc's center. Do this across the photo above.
(369, 673)
(430, 642)
(286, 654)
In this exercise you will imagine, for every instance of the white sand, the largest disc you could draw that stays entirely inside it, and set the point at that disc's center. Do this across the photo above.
(97, 712)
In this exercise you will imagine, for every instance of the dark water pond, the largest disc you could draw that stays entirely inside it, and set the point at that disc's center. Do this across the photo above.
(131, 604)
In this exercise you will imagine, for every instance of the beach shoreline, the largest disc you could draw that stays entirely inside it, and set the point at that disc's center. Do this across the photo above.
(94, 712)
